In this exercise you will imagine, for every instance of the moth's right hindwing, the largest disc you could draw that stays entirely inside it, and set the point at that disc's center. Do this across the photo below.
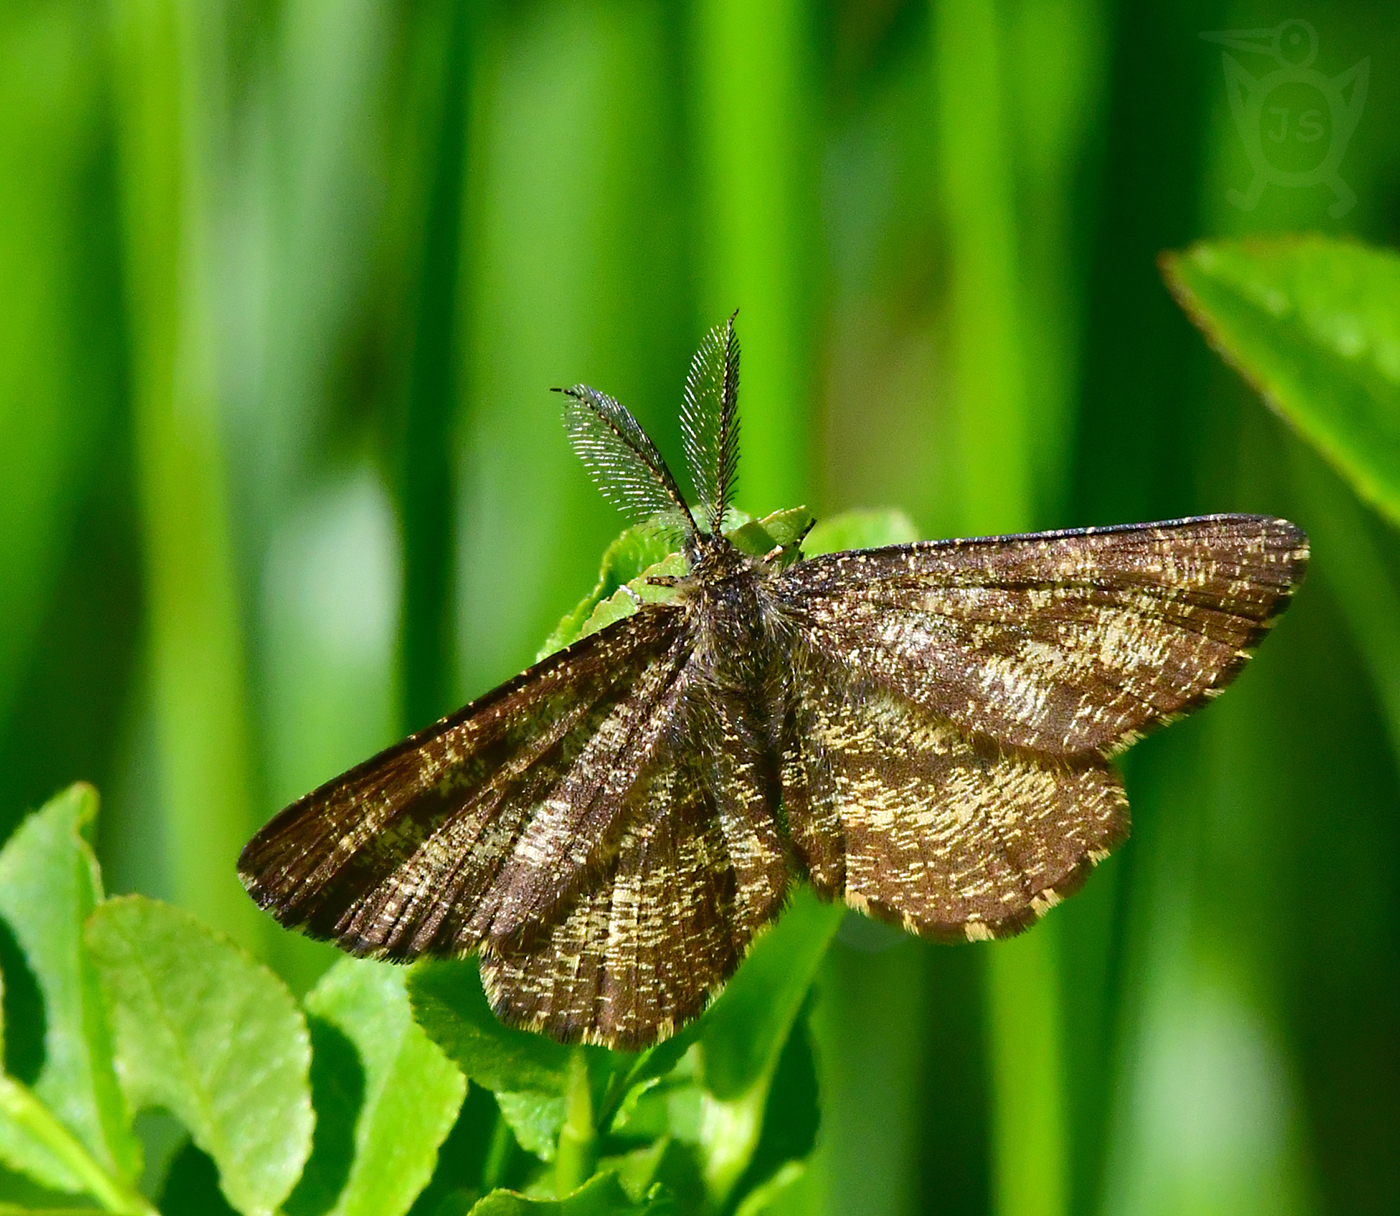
(901, 814)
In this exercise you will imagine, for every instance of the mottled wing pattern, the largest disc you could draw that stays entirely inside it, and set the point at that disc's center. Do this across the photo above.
(902, 815)
(954, 703)
(1062, 642)
(698, 871)
(436, 843)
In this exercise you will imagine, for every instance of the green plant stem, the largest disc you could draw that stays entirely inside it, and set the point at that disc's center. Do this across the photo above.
(578, 1139)
(498, 1152)
(22, 1109)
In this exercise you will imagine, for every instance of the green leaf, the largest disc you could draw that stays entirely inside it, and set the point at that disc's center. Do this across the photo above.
(535, 1119)
(759, 537)
(635, 551)
(601, 1195)
(191, 1186)
(668, 1162)
(743, 1033)
(782, 1193)
(42, 1147)
(214, 1037)
(1314, 325)
(450, 1005)
(623, 602)
(531, 1076)
(49, 883)
(411, 1092)
(859, 530)
(791, 1114)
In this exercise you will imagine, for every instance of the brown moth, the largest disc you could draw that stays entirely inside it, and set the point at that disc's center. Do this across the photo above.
(923, 732)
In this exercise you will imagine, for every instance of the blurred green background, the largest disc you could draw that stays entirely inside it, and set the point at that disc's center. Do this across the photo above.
(283, 284)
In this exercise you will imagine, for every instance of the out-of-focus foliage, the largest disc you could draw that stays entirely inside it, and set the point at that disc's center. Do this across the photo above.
(282, 286)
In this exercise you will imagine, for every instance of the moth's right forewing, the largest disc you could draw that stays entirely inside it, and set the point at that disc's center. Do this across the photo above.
(1060, 642)
(393, 857)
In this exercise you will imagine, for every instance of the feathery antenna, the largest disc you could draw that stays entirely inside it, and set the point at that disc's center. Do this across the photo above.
(621, 458)
(710, 421)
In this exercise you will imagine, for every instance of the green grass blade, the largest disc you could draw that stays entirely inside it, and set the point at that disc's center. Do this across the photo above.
(978, 195)
(755, 105)
(195, 631)
(426, 488)
(572, 272)
(993, 427)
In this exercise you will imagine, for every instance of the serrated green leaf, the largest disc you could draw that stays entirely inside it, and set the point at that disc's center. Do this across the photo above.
(601, 1195)
(530, 1075)
(1314, 324)
(449, 1004)
(636, 550)
(337, 1097)
(49, 883)
(535, 1119)
(759, 537)
(411, 1090)
(623, 602)
(205, 1031)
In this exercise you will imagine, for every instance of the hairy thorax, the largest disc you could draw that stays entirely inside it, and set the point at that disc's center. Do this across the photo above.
(735, 622)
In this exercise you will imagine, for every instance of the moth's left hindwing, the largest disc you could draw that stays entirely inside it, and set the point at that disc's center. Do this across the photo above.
(699, 871)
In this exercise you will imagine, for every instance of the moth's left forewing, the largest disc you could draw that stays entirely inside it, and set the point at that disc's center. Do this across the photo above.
(416, 850)
(1060, 642)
